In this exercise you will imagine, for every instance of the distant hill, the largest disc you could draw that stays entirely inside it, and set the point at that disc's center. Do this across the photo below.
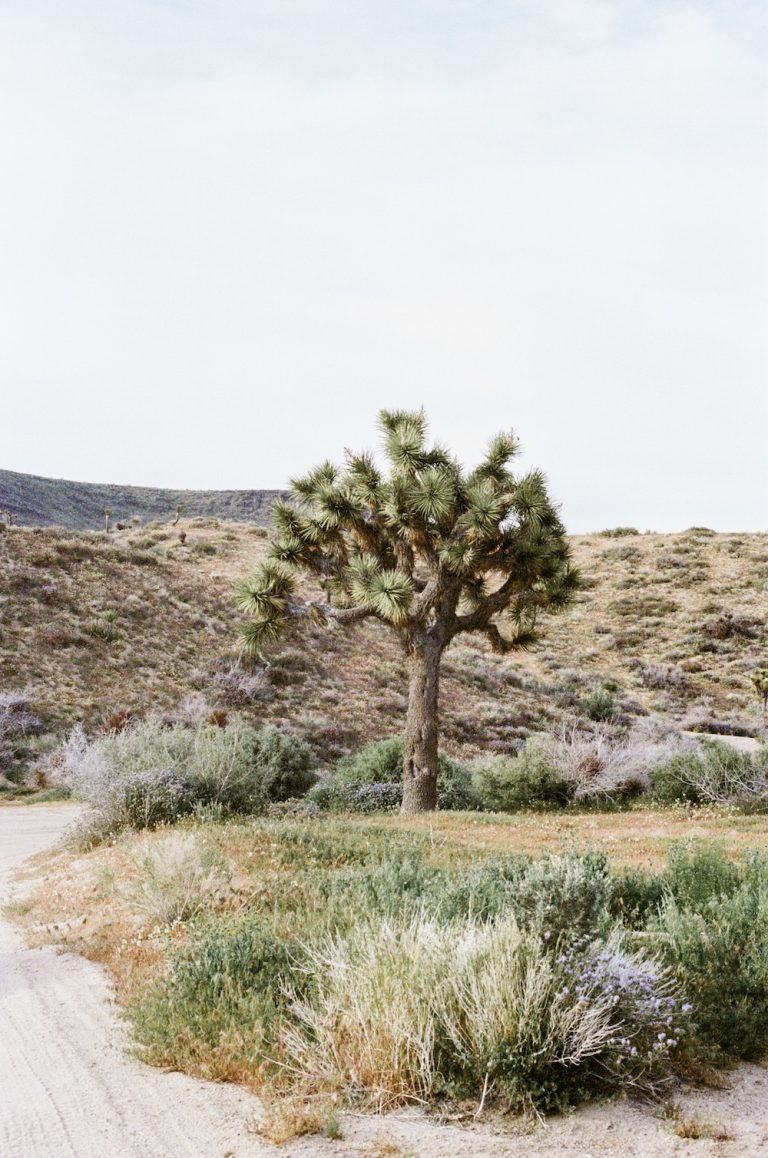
(46, 502)
(143, 620)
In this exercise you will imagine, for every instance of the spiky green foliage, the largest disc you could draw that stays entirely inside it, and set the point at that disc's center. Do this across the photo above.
(424, 547)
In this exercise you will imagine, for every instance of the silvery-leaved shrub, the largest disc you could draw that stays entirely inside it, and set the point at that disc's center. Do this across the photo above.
(152, 772)
(556, 896)
(146, 799)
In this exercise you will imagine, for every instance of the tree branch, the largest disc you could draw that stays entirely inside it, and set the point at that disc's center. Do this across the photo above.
(324, 611)
(496, 601)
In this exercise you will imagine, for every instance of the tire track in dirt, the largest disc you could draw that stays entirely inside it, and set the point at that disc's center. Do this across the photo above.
(67, 1086)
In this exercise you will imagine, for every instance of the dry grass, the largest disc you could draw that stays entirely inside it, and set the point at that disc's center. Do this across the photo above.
(640, 837)
(166, 625)
(128, 936)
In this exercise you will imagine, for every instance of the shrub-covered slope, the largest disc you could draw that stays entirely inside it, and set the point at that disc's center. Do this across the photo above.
(93, 624)
(45, 502)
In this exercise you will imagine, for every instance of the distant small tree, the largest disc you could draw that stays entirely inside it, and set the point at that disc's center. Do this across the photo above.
(179, 509)
(427, 549)
(107, 517)
(760, 681)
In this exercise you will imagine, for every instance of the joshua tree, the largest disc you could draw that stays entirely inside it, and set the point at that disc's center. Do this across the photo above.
(760, 681)
(107, 517)
(427, 549)
(179, 509)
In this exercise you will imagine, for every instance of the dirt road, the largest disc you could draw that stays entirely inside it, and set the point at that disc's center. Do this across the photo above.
(69, 1088)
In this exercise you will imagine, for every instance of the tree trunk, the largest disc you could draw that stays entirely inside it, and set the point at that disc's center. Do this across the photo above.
(421, 731)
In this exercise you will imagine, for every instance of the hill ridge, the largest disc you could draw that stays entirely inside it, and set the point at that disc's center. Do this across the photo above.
(35, 500)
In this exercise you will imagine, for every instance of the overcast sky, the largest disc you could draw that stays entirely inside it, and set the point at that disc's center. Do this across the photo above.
(230, 232)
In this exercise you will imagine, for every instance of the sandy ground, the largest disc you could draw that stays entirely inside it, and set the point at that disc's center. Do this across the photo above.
(68, 1087)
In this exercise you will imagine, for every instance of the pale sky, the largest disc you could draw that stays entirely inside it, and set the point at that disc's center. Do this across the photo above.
(230, 232)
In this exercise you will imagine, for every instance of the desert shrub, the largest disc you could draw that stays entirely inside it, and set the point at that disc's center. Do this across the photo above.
(202, 547)
(619, 532)
(635, 897)
(401, 884)
(240, 686)
(717, 726)
(597, 766)
(381, 763)
(600, 705)
(18, 726)
(148, 798)
(627, 553)
(696, 875)
(674, 559)
(285, 762)
(529, 780)
(660, 675)
(240, 768)
(730, 626)
(564, 896)
(218, 1008)
(718, 950)
(714, 773)
(675, 782)
(374, 797)
(415, 1009)
(177, 879)
(692, 877)
(557, 897)
(151, 773)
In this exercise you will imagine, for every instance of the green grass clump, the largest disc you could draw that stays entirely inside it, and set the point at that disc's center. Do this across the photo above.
(218, 1011)
(105, 630)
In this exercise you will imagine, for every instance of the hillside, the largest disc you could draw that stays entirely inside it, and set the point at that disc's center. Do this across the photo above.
(46, 502)
(93, 624)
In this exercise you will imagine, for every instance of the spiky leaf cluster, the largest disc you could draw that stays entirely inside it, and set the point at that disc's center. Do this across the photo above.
(424, 547)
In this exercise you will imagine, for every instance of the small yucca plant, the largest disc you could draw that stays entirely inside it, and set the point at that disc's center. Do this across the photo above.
(428, 549)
